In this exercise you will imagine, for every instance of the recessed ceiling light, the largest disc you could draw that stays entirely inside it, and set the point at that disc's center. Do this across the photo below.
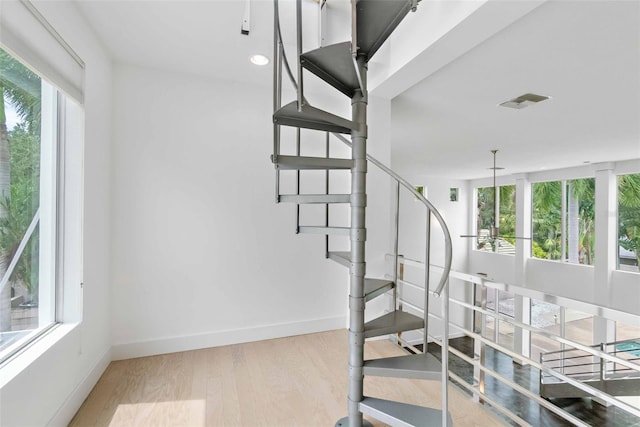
(524, 101)
(259, 59)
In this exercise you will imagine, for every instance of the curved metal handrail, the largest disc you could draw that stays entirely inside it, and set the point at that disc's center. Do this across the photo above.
(430, 207)
(285, 61)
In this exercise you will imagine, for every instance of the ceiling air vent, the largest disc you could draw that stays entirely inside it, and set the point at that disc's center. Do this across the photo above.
(524, 101)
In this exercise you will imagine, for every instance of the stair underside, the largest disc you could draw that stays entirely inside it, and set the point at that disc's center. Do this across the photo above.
(342, 258)
(376, 287)
(399, 414)
(417, 366)
(312, 118)
(311, 163)
(391, 323)
(376, 20)
(314, 198)
(334, 64)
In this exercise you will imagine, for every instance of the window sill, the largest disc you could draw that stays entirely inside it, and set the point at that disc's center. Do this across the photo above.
(560, 262)
(32, 352)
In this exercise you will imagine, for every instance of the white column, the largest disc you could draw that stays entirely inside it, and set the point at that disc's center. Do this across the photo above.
(606, 246)
(522, 305)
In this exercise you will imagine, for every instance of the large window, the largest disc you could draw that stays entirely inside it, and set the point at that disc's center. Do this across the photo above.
(563, 220)
(629, 222)
(28, 204)
(504, 241)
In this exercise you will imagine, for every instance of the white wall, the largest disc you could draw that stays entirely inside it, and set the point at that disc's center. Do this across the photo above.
(202, 255)
(52, 387)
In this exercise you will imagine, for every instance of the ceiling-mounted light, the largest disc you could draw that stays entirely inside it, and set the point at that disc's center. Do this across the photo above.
(524, 101)
(258, 59)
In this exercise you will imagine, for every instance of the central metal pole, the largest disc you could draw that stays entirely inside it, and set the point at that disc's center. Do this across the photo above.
(358, 240)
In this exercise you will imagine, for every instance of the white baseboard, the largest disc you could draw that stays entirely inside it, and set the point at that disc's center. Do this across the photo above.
(66, 412)
(220, 338)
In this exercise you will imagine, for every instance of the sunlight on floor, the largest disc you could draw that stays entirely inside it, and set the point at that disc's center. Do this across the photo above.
(190, 413)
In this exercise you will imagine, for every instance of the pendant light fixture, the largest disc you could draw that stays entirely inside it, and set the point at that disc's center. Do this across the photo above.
(494, 228)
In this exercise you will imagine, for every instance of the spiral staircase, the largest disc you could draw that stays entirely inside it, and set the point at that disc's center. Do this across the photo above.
(344, 67)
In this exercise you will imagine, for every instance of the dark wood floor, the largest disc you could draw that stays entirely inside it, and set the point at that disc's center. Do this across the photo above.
(590, 412)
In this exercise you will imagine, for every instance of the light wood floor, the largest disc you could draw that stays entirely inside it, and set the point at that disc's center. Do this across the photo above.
(296, 381)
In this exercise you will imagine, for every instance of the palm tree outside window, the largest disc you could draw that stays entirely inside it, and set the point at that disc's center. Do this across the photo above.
(629, 222)
(563, 220)
(505, 243)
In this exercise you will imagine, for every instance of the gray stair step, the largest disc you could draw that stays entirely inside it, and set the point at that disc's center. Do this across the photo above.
(376, 287)
(336, 231)
(376, 20)
(343, 258)
(417, 366)
(397, 414)
(312, 118)
(314, 198)
(333, 64)
(390, 323)
(308, 163)
(372, 287)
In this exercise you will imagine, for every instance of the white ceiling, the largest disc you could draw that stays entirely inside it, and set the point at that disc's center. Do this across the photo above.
(199, 37)
(584, 54)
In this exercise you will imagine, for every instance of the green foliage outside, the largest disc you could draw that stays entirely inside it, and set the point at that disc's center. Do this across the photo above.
(21, 206)
(20, 88)
(629, 213)
(547, 219)
(486, 218)
(508, 213)
(537, 251)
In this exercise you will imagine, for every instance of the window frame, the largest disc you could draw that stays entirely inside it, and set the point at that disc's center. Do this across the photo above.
(564, 217)
(476, 210)
(53, 124)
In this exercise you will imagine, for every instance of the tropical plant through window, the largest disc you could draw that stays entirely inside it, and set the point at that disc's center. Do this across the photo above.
(577, 238)
(629, 222)
(486, 219)
(20, 153)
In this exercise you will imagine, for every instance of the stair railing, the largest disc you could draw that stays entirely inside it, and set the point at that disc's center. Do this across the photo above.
(280, 62)
(431, 210)
(582, 366)
(441, 290)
